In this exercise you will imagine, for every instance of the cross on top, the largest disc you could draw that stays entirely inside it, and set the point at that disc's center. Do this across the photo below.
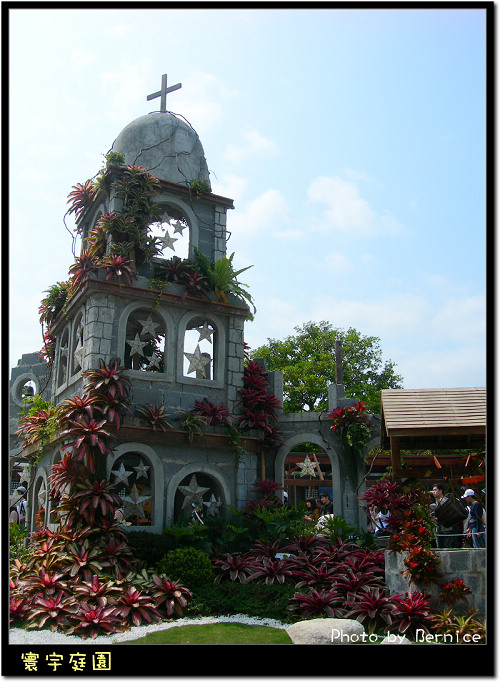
(163, 92)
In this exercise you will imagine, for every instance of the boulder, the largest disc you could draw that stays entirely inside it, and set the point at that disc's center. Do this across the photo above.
(327, 631)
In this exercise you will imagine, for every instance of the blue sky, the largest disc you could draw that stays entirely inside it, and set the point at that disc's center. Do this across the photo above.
(352, 142)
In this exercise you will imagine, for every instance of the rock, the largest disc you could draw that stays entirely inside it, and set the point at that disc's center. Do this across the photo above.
(327, 631)
(395, 639)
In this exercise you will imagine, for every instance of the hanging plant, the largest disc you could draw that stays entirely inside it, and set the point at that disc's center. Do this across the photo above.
(81, 198)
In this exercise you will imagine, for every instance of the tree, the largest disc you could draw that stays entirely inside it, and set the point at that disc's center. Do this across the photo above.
(307, 361)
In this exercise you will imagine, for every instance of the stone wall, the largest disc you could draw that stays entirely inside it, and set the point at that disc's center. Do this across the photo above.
(468, 564)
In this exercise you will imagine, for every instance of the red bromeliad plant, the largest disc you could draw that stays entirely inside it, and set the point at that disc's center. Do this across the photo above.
(170, 595)
(233, 567)
(214, 415)
(119, 266)
(269, 570)
(411, 612)
(314, 604)
(372, 606)
(411, 526)
(454, 591)
(85, 264)
(89, 546)
(344, 417)
(155, 416)
(135, 608)
(81, 197)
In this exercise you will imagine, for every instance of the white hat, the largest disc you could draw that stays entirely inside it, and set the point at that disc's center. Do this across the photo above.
(468, 492)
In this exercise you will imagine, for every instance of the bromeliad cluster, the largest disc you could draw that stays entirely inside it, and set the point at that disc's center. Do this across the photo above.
(83, 578)
(331, 579)
(411, 526)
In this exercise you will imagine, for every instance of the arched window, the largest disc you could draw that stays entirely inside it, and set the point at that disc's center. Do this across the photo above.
(198, 495)
(173, 232)
(200, 349)
(145, 341)
(64, 349)
(132, 478)
(76, 359)
(308, 473)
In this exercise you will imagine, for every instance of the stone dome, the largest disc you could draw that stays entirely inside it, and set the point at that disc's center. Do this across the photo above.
(164, 145)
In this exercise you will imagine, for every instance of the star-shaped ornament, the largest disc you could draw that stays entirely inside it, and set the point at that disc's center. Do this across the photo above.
(168, 242)
(41, 496)
(78, 354)
(137, 345)
(25, 474)
(197, 361)
(142, 470)
(205, 332)
(148, 326)
(154, 362)
(165, 218)
(134, 503)
(213, 506)
(121, 475)
(178, 227)
(193, 493)
(307, 468)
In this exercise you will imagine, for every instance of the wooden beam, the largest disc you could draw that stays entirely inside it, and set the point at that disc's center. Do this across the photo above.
(395, 458)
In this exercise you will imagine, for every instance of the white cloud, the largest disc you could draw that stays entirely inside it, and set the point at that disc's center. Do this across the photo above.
(200, 100)
(290, 235)
(254, 143)
(267, 211)
(346, 210)
(338, 263)
(462, 318)
(231, 186)
(456, 368)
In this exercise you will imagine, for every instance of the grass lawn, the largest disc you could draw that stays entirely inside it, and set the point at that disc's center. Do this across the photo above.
(216, 633)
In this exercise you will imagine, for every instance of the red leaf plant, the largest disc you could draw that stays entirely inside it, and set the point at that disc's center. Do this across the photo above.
(372, 606)
(454, 591)
(133, 607)
(214, 414)
(118, 266)
(233, 567)
(270, 570)
(314, 604)
(51, 610)
(170, 595)
(91, 621)
(411, 612)
(81, 197)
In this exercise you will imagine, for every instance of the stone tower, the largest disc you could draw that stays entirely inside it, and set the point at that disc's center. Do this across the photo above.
(180, 343)
(178, 346)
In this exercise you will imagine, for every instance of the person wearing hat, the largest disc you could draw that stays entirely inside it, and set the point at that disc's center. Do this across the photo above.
(476, 526)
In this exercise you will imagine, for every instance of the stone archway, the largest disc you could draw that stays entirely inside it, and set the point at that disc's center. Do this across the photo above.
(316, 439)
(205, 476)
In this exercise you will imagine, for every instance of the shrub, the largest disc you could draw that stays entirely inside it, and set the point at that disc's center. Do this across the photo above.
(253, 599)
(187, 564)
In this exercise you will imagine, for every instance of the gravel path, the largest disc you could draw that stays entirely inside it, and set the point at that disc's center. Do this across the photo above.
(20, 636)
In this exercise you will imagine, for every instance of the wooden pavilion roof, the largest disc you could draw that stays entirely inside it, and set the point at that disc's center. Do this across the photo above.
(434, 418)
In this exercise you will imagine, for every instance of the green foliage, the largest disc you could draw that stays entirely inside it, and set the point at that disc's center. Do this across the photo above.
(252, 599)
(187, 564)
(17, 540)
(223, 278)
(199, 186)
(307, 361)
